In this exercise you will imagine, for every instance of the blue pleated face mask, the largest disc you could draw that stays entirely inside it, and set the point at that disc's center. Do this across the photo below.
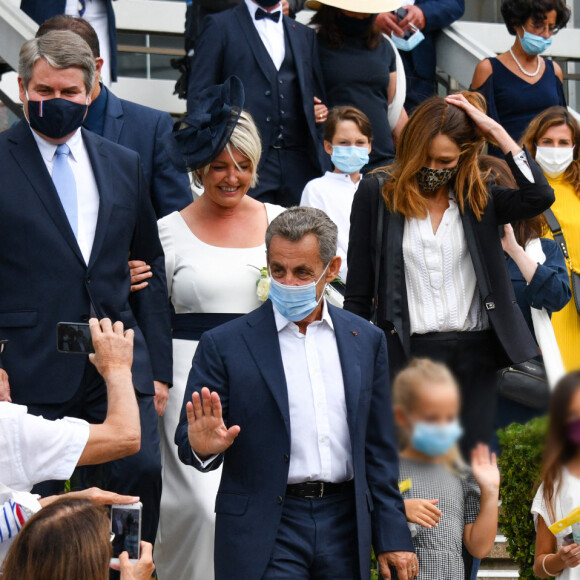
(434, 439)
(349, 158)
(407, 44)
(534, 44)
(295, 302)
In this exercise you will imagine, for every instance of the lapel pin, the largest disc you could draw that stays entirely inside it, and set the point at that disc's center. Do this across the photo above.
(354, 333)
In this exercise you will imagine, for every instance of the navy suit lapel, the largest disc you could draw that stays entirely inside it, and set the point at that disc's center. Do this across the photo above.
(102, 172)
(255, 42)
(261, 337)
(348, 343)
(28, 157)
(113, 118)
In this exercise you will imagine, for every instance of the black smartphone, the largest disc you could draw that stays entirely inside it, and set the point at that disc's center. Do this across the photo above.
(74, 338)
(401, 15)
(126, 530)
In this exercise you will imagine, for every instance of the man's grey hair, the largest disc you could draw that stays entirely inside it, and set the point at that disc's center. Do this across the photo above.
(297, 222)
(61, 49)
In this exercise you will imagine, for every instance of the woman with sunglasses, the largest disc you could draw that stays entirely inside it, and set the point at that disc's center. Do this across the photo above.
(519, 83)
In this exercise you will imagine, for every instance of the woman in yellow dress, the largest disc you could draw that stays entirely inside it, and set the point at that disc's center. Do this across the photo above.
(553, 138)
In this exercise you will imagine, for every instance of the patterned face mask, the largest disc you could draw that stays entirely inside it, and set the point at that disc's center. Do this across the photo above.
(432, 179)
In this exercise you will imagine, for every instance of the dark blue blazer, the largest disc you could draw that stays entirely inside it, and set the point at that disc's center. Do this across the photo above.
(42, 10)
(140, 129)
(45, 280)
(230, 45)
(438, 15)
(242, 361)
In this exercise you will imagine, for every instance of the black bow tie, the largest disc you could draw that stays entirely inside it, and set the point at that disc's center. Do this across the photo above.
(274, 16)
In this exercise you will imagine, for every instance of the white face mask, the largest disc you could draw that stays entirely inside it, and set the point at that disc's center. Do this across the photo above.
(554, 160)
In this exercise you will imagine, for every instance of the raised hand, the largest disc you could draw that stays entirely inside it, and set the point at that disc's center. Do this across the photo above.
(207, 432)
(423, 512)
(489, 128)
(484, 468)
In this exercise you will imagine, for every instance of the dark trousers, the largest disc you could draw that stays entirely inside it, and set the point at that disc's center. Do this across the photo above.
(473, 358)
(283, 175)
(316, 540)
(138, 475)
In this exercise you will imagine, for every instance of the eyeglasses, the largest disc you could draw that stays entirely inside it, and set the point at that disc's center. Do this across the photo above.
(3, 343)
(539, 28)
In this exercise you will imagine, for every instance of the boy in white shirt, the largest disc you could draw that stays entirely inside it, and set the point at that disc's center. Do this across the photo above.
(347, 139)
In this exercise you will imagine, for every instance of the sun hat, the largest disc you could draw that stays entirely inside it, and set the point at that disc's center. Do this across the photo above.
(364, 6)
(207, 129)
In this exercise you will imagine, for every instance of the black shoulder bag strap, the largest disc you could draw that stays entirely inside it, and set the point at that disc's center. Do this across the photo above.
(556, 230)
(378, 246)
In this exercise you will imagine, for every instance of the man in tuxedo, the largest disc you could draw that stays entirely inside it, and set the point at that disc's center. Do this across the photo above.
(134, 126)
(276, 59)
(420, 63)
(73, 210)
(101, 15)
(300, 414)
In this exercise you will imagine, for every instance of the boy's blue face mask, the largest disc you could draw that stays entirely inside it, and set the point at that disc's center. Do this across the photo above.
(295, 302)
(534, 44)
(349, 158)
(407, 44)
(435, 440)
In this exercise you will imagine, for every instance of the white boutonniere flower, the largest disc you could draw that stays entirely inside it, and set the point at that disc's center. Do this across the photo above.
(262, 283)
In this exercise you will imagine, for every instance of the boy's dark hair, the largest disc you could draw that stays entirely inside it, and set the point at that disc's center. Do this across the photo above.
(338, 114)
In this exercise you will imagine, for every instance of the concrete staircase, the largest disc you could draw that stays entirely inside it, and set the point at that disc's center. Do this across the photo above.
(498, 564)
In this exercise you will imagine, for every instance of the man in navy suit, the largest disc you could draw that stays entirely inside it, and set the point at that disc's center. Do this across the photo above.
(420, 63)
(300, 415)
(100, 13)
(134, 126)
(73, 210)
(277, 60)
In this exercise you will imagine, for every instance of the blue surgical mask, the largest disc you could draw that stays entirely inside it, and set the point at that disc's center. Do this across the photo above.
(407, 44)
(433, 439)
(295, 302)
(534, 44)
(56, 118)
(349, 159)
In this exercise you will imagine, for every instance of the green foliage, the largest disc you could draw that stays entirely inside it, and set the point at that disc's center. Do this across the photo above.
(520, 465)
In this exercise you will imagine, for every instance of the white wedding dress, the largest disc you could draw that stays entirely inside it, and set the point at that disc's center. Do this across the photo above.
(201, 279)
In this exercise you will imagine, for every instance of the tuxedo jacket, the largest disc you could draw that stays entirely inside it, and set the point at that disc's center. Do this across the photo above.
(438, 15)
(230, 45)
(45, 280)
(42, 10)
(141, 128)
(242, 361)
(482, 237)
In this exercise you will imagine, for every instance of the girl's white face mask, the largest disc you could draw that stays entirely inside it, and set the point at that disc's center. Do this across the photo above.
(554, 160)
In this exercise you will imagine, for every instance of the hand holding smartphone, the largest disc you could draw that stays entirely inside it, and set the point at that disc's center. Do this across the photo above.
(126, 531)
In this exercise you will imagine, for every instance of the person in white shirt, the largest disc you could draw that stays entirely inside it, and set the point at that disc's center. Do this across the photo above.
(348, 137)
(36, 449)
(300, 414)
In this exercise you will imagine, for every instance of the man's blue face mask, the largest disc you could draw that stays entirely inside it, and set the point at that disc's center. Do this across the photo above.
(295, 302)
(56, 118)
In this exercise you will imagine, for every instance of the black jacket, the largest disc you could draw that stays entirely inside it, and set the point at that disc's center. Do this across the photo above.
(493, 280)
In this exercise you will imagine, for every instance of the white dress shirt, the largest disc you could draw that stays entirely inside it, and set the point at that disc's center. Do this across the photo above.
(333, 193)
(87, 190)
(35, 449)
(271, 33)
(441, 284)
(320, 448)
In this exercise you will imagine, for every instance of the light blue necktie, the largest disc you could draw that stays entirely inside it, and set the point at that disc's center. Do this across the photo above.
(64, 181)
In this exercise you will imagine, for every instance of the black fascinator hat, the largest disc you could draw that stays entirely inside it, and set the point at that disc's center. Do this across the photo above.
(207, 129)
